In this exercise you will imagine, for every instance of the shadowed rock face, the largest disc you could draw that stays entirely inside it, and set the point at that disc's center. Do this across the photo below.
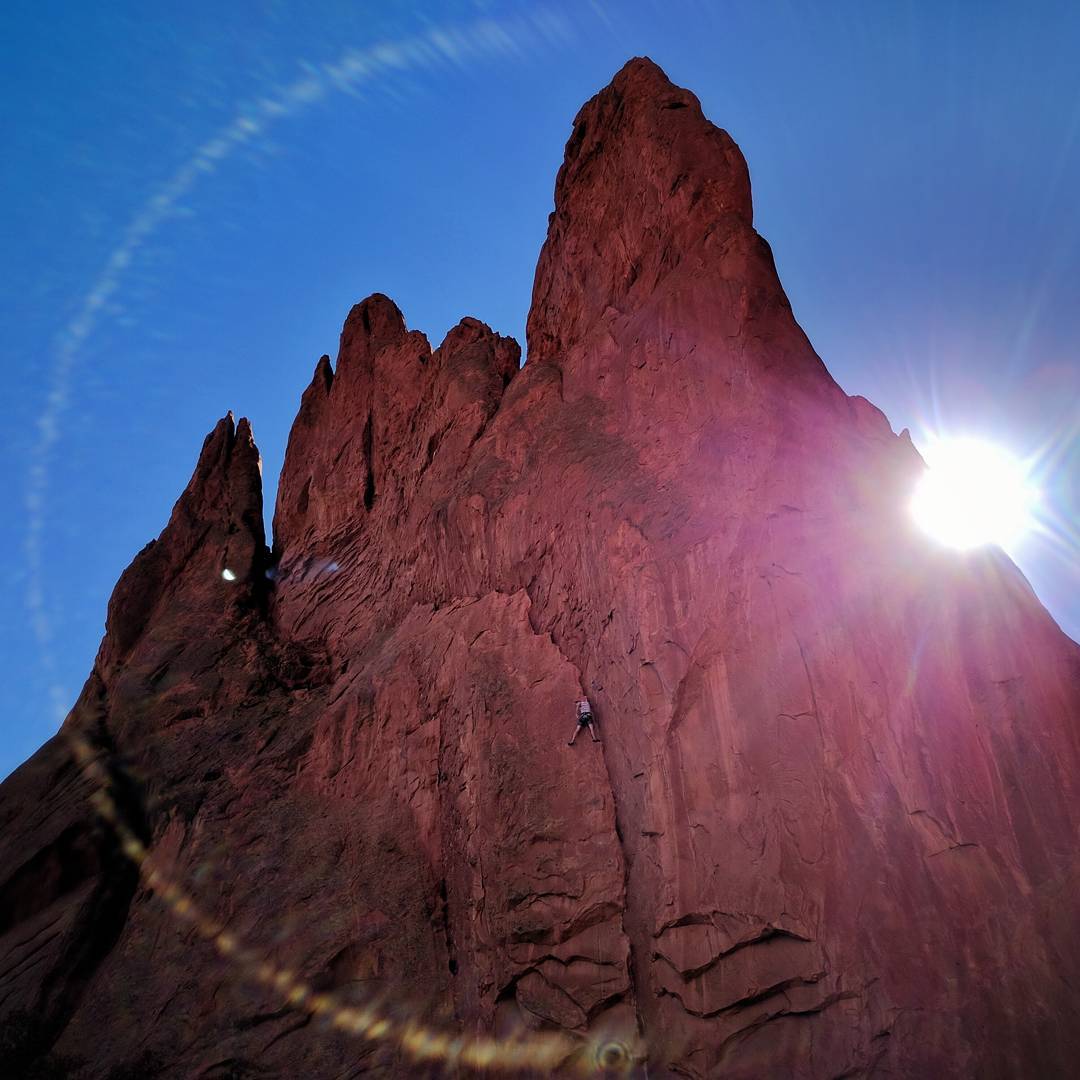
(831, 828)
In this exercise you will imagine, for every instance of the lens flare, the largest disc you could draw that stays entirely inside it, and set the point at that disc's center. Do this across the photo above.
(973, 493)
(377, 1020)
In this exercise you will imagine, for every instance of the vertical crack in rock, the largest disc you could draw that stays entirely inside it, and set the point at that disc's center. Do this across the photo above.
(635, 905)
(631, 927)
(369, 464)
(448, 931)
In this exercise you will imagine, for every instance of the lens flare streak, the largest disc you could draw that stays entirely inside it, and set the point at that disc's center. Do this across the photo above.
(374, 1021)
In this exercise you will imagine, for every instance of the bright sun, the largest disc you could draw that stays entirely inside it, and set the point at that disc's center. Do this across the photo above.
(973, 493)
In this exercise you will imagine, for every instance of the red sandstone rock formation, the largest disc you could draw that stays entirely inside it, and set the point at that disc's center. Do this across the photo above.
(831, 829)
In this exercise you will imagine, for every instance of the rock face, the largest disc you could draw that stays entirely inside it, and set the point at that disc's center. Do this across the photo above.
(831, 827)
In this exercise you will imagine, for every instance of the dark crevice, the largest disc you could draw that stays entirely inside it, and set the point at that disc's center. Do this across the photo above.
(52, 872)
(300, 1023)
(101, 918)
(447, 929)
(431, 450)
(634, 957)
(231, 1068)
(577, 137)
(603, 1005)
(770, 934)
(742, 1034)
(248, 1022)
(776, 990)
(369, 465)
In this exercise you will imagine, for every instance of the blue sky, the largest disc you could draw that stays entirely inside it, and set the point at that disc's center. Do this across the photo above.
(915, 168)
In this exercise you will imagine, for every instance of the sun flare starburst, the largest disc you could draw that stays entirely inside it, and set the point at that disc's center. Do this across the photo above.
(974, 493)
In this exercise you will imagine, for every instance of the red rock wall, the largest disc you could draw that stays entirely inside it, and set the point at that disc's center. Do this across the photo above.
(831, 827)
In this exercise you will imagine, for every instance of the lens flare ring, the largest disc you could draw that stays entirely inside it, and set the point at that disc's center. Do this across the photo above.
(611, 1057)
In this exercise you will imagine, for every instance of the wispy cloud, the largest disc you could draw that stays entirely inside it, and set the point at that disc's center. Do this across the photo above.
(445, 46)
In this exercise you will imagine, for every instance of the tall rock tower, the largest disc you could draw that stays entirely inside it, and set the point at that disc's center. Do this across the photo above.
(831, 825)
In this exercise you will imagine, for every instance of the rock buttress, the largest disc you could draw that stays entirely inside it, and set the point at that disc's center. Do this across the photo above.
(792, 685)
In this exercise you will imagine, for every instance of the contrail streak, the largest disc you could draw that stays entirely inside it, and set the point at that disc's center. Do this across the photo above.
(437, 47)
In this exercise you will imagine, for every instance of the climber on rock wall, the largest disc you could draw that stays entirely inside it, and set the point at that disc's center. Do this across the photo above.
(584, 719)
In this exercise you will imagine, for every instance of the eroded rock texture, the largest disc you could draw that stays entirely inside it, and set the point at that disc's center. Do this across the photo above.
(831, 828)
